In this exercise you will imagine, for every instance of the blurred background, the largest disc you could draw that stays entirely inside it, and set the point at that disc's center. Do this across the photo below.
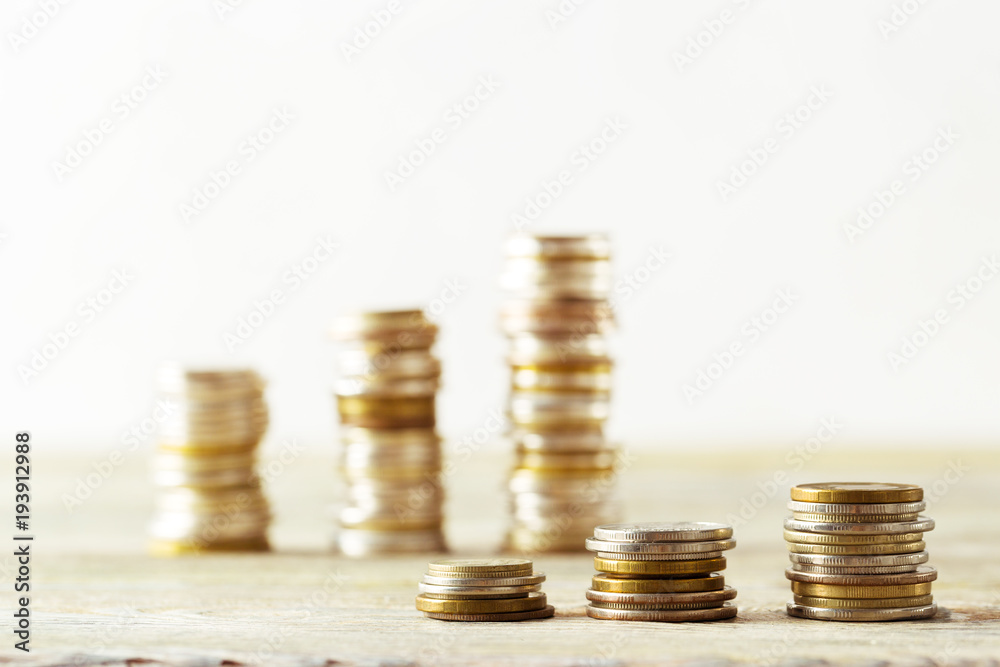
(213, 181)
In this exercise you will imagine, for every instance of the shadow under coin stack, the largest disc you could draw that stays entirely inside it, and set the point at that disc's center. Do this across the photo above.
(857, 552)
(556, 318)
(487, 589)
(207, 494)
(661, 572)
(391, 453)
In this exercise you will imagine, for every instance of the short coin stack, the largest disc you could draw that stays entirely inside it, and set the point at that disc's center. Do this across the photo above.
(207, 494)
(485, 589)
(556, 317)
(661, 572)
(391, 453)
(857, 552)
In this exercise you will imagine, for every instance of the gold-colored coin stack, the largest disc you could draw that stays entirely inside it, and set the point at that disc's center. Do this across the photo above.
(556, 317)
(483, 589)
(857, 552)
(391, 452)
(661, 572)
(207, 494)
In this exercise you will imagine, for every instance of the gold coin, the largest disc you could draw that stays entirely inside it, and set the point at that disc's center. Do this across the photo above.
(857, 492)
(495, 618)
(854, 518)
(533, 602)
(839, 591)
(481, 567)
(654, 568)
(369, 406)
(856, 549)
(802, 537)
(876, 603)
(610, 584)
(184, 547)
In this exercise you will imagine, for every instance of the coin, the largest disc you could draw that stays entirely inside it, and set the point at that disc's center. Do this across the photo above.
(476, 592)
(857, 492)
(855, 570)
(608, 546)
(868, 603)
(900, 614)
(443, 580)
(857, 508)
(659, 556)
(498, 618)
(533, 602)
(359, 543)
(854, 518)
(682, 531)
(860, 561)
(921, 574)
(470, 567)
(613, 584)
(658, 567)
(864, 592)
(674, 616)
(800, 537)
(674, 606)
(920, 525)
(654, 599)
(856, 549)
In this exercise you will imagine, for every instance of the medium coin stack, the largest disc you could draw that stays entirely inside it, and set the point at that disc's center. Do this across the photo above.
(556, 317)
(661, 572)
(857, 552)
(484, 589)
(391, 453)
(207, 494)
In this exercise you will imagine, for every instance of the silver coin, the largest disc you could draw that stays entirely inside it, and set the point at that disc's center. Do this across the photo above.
(652, 599)
(359, 542)
(891, 614)
(572, 441)
(381, 365)
(477, 592)
(546, 409)
(857, 508)
(878, 570)
(703, 555)
(608, 546)
(727, 610)
(918, 526)
(678, 531)
(531, 350)
(534, 579)
(887, 560)
(922, 574)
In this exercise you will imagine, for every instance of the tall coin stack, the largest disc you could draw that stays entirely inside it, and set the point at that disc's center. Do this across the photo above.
(857, 552)
(556, 317)
(661, 572)
(391, 452)
(207, 494)
(484, 589)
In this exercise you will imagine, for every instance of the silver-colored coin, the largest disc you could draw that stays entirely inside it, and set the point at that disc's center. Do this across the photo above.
(854, 571)
(359, 542)
(887, 560)
(703, 555)
(727, 610)
(608, 546)
(921, 575)
(918, 526)
(857, 508)
(531, 350)
(572, 441)
(891, 614)
(383, 365)
(679, 531)
(653, 599)
(477, 592)
(534, 579)
(548, 409)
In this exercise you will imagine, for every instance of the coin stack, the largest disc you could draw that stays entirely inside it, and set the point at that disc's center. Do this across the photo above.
(207, 494)
(391, 453)
(485, 589)
(556, 317)
(661, 572)
(857, 552)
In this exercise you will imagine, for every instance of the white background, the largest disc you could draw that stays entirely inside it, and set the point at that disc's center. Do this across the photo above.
(655, 185)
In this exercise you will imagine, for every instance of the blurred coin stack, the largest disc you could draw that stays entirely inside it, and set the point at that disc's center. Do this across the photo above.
(661, 572)
(857, 552)
(487, 589)
(556, 317)
(207, 494)
(391, 453)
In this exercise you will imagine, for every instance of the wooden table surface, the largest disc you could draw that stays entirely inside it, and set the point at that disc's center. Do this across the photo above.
(98, 599)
